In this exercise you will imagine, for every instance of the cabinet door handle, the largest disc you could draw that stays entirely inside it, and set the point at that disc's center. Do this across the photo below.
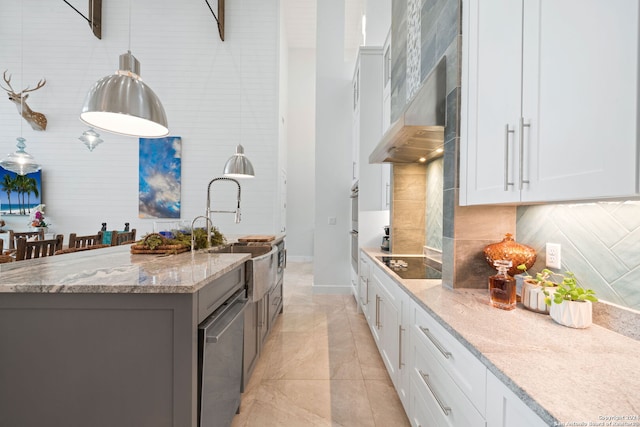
(522, 126)
(425, 378)
(434, 340)
(507, 131)
(400, 331)
(367, 284)
(378, 311)
(387, 199)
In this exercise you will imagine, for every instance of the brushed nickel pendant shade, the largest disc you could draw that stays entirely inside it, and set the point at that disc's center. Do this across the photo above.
(123, 104)
(238, 166)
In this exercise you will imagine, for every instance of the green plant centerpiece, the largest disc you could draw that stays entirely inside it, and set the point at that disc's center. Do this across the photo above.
(200, 236)
(568, 290)
(179, 242)
(534, 288)
(570, 303)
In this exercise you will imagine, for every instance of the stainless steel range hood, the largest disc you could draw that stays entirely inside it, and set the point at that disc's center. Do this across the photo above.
(419, 131)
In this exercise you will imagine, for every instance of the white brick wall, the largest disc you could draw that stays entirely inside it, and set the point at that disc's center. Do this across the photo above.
(216, 95)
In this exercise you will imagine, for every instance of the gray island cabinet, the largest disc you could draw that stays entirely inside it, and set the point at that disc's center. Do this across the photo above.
(106, 338)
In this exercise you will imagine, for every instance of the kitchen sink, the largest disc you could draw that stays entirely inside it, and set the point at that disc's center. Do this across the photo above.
(261, 269)
(242, 248)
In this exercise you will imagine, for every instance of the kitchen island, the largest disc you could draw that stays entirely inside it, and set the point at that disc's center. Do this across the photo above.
(565, 376)
(106, 338)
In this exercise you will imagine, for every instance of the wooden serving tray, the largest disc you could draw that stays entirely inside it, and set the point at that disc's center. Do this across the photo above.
(257, 238)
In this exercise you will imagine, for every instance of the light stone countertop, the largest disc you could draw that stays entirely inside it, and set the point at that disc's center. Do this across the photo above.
(564, 375)
(116, 270)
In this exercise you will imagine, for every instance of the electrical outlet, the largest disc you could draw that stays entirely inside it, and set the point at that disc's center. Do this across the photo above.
(554, 259)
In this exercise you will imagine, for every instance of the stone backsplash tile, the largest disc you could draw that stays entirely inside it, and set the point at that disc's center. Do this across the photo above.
(599, 244)
(409, 187)
(471, 269)
(407, 240)
(484, 222)
(409, 214)
(448, 26)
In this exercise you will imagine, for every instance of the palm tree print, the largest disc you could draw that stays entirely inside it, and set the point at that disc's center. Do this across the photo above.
(21, 187)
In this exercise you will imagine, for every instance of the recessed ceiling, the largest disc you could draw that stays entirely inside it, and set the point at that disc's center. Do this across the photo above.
(300, 22)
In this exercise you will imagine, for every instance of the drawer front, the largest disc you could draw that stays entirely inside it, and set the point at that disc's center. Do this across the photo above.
(444, 403)
(216, 292)
(463, 367)
(275, 302)
(388, 286)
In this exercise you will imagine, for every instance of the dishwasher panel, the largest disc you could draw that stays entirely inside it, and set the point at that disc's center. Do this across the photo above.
(220, 341)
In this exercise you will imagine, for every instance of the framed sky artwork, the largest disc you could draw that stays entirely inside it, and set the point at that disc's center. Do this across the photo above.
(160, 172)
(19, 194)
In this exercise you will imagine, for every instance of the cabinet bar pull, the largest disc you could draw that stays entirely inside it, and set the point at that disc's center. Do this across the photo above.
(367, 282)
(378, 311)
(522, 126)
(425, 378)
(435, 342)
(400, 331)
(507, 131)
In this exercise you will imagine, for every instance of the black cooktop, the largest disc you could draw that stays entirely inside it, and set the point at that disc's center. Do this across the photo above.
(411, 267)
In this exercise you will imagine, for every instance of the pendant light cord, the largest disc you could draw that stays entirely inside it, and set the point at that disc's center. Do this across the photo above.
(21, 62)
(129, 25)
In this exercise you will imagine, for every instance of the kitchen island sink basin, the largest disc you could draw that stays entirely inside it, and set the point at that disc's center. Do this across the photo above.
(242, 248)
(261, 269)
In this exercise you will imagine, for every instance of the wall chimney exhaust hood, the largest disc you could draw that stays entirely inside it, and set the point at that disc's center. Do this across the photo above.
(419, 131)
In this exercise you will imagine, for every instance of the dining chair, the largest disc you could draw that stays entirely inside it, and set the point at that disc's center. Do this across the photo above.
(15, 235)
(30, 249)
(123, 237)
(76, 241)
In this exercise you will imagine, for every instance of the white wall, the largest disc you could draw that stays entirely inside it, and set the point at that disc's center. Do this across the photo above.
(333, 152)
(216, 94)
(301, 153)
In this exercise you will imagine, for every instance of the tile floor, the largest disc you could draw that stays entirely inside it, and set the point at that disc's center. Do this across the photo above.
(320, 366)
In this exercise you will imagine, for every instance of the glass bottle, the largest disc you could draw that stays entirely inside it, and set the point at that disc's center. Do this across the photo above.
(502, 287)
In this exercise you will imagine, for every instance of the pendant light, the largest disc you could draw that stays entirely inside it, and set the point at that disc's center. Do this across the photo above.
(123, 104)
(91, 139)
(20, 162)
(238, 166)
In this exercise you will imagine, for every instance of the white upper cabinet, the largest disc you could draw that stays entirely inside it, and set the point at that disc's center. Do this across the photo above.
(549, 100)
(367, 126)
(386, 83)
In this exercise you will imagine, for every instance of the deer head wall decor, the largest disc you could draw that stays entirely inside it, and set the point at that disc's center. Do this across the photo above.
(38, 121)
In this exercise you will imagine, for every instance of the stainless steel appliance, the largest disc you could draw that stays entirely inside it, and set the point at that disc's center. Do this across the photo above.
(354, 226)
(220, 341)
(386, 244)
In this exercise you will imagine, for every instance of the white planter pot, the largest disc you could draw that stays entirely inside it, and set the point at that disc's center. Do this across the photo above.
(575, 314)
(533, 297)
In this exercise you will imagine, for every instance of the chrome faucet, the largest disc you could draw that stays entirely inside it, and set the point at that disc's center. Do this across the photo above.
(209, 211)
(208, 224)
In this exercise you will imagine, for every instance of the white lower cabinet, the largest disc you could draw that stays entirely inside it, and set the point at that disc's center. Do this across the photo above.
(439, 381)
(403, 385)
(504, 408)
(387, 321)
(464, 368)
(446, 404)
(364, 277)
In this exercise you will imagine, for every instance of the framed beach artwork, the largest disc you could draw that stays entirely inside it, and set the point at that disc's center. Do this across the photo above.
(160, 170)
(19, 194)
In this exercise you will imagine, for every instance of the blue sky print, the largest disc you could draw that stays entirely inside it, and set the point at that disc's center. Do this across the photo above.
(160, 172)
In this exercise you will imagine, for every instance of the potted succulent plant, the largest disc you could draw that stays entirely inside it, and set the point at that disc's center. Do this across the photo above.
(571, 304)
(533, 289)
